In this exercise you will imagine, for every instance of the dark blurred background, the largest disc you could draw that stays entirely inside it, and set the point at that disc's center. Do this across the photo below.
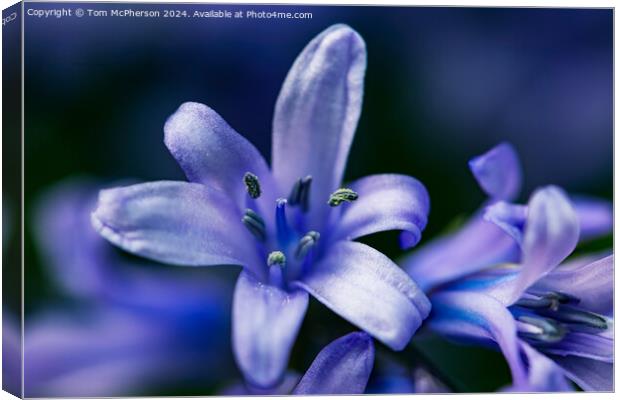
(442, 85)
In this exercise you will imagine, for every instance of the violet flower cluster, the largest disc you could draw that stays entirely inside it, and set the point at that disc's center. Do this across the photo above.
(507, 278)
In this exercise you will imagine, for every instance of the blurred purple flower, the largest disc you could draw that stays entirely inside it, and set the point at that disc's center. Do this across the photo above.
(130, 326)
(234, 211)
(503, 281)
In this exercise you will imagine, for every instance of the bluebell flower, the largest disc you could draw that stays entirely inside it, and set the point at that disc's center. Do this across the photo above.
(291, 228)
(504, 281)
(125, 326)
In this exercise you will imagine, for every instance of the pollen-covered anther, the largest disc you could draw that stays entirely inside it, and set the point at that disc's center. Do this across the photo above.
(306, 243)
(252, 185)
(254, 223)
(276, 258)
(300, 194)
(341, 195)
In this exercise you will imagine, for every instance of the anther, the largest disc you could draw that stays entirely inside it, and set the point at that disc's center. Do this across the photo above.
(572, 315)
(542, 302)
(252, 185)
(254, 223)
(341, 195)
(550, 330)
(300, 193)
(550, 300)
(276, 258)
(306, 243)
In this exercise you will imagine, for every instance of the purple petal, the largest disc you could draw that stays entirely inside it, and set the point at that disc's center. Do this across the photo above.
(509, 217)
(551, 234)
(266, 321)
(586, 345)
(596, 217)
(591, 282)
(342, 367)
(471, 315)
(386, 202)
(211, 152)
(317, 112)
(174, 222)
(369, 290)
(477, 245)
(590, 375)
(543, 374)
(498, 172)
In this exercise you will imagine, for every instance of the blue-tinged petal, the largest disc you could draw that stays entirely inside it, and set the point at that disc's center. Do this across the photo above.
(477, 245)
(543, 375)
(497, 282)
(596, 216)
(386, 202)
(84, 264)
(551, 234)
(509, 217)
(317, 112)
(174, 222)
(342, 367)
(591, 281)
(210, 152)
(585, 345)
(266, 321)
(471, 315)
(590, 375)
(498, 172)
(369, 290)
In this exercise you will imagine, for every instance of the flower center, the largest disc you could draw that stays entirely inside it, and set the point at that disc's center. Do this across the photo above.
(546, 318)
(292, 249)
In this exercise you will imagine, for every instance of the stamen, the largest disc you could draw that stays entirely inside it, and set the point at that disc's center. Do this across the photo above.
(550, 300)
(563, 298)
(300, 193)
(341, 195)
(574, 316)
(307, 242)
(551, 331)
(276, 258)
(255, 224)
(252, 185)
(276, 262)
(293, 198)
(542, 302)
(304, 197)
(282, 228)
